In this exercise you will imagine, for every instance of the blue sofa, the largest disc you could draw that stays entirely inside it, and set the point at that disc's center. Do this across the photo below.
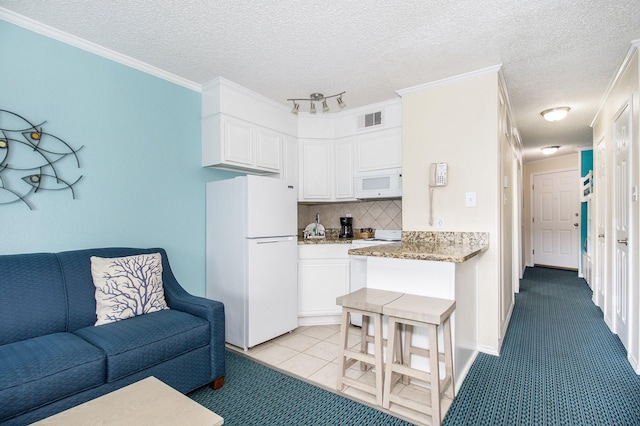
(52, 357)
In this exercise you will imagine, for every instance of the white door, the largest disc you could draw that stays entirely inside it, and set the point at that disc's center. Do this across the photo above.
(622, 195)
(556, 219)
(600, 198)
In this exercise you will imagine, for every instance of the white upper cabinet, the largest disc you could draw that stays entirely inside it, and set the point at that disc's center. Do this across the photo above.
(269, 150)
(244, 131)
(344, 169)
(333, 147)
(326, 170)
(290, 160)
(247, 132)
(237, 142)
(316, 169)
(378, 150)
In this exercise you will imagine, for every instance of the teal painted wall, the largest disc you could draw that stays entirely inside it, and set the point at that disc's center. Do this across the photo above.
(142, 183)
(586, 164)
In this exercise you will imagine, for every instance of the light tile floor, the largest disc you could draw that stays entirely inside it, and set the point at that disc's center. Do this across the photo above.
(311, 353)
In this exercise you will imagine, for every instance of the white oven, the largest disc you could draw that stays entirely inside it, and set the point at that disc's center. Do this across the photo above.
(358, 264)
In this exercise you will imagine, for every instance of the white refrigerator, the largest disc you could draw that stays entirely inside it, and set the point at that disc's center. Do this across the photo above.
(251, 256)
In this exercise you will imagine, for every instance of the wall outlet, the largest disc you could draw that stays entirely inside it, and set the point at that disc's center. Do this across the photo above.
(440, 222)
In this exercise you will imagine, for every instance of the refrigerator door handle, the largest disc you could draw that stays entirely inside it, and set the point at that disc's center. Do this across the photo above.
(272, 240)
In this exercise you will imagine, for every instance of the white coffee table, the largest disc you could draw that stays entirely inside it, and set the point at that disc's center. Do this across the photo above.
(147, 402)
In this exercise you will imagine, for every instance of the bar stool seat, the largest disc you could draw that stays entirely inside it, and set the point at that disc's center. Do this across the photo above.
(420, 311)
(369, 303)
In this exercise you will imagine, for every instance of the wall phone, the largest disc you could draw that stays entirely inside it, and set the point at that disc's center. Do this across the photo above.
(438, 174)
(437, 179)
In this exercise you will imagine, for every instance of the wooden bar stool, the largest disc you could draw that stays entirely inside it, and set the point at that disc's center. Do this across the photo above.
(420, 311)
(369, 303)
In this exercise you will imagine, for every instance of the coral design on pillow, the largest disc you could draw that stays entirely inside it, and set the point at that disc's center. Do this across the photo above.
(127, 286)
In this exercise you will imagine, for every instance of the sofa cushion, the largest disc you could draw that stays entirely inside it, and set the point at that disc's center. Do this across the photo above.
(141, 342)
(47, 368)
(127, 286)
(33, 297)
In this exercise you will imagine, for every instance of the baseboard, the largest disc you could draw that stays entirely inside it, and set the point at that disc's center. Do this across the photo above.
(634, 363)
(609, 323)
(465, 371)
(319, 320)
(489, 350)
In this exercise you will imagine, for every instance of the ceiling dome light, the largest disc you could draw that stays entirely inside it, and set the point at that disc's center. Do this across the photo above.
(555, 114)
(548, 150)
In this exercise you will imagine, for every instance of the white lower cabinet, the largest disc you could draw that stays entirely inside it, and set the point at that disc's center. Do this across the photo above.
(323, 275)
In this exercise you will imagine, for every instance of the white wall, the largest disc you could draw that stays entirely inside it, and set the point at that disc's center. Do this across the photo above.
(456, 121)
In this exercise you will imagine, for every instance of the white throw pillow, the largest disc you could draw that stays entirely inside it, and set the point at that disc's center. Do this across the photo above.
(127, 286)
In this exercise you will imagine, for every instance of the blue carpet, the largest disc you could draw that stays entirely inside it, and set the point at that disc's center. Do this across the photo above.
(257, 395)
(559, 365)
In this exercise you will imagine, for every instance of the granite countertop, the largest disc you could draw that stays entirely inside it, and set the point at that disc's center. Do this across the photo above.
(454, 247)
(331, 237)
(327, 240)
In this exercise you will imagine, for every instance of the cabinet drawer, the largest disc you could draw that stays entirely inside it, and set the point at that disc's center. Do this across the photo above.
(323, 251)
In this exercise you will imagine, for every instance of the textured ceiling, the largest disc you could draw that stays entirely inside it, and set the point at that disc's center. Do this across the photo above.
(553, 52)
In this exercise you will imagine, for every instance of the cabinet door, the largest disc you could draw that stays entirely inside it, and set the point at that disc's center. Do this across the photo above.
(379, 150)
(238, 142)
(290, 160)
(344, 169)
(268, 149)
(316, 169)
(319, 283)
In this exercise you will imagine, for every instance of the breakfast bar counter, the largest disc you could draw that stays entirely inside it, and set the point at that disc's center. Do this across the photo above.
(439, 247)
(434, 264)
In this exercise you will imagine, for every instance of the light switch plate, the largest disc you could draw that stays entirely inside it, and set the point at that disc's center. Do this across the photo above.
(470, 199)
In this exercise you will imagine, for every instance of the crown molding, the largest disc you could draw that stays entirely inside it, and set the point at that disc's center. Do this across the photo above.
(47, 31)
(221, 81)
(489, 70)
(633, 48)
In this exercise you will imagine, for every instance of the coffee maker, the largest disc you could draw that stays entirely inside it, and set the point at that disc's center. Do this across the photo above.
(346, 227)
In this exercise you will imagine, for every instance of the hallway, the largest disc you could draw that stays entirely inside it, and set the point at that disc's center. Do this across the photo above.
(559, 364)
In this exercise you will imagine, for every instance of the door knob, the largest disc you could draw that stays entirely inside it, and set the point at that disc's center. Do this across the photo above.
(624, 241)
(575, 224)
(600, 235)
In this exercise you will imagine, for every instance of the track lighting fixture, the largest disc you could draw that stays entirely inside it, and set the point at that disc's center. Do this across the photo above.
(317, 97)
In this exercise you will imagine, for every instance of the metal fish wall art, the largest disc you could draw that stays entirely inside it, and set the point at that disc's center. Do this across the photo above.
(32, 160)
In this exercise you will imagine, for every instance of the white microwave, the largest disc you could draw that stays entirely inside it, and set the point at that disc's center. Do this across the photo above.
(378, 184)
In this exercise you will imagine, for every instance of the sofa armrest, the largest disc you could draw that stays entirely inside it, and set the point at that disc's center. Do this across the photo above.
(212, 310)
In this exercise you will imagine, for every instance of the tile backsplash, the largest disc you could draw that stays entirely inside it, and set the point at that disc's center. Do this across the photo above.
(379, 214)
